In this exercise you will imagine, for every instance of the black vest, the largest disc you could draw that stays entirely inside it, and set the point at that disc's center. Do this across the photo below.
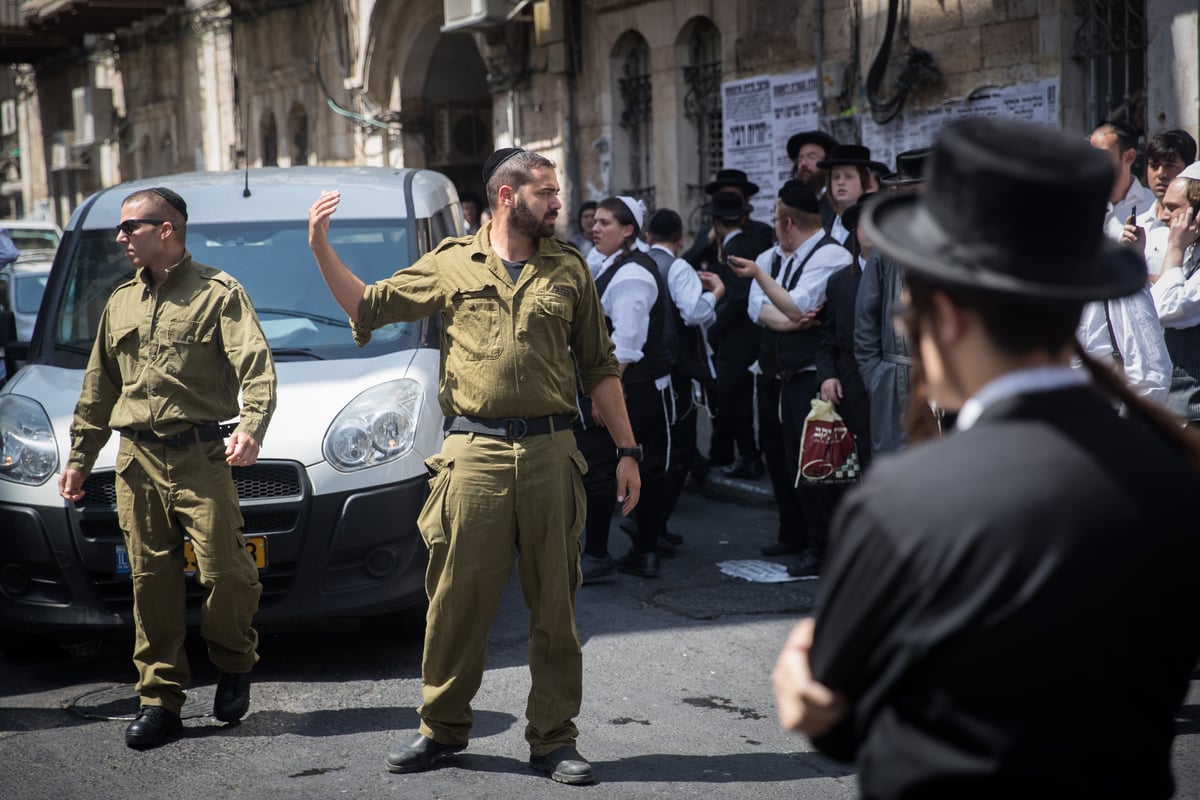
(785, 354)
(655, 362)
(685, 343)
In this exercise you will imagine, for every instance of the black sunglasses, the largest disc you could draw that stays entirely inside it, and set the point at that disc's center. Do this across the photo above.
(128, 226)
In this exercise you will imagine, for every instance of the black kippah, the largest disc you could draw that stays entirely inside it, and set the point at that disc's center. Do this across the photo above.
(796, 194)
(173, 198)
(496, 159)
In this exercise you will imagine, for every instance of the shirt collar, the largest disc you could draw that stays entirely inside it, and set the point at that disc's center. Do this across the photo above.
(1010, 384)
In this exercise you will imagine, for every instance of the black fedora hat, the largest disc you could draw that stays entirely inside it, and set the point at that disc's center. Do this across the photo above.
(728, 178)
(910, 169)
(970, 226)
(727, 205)
(798, 140)
(851, 155)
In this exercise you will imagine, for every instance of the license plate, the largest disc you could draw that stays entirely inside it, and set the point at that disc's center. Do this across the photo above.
(257, 545)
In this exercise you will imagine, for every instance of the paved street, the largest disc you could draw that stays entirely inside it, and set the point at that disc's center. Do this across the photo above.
(677, 703)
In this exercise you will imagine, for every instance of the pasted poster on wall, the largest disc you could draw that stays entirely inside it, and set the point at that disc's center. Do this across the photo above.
(759, 114)
(1033, 102)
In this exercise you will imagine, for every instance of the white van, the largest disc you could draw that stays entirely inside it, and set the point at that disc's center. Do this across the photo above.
(331, 505)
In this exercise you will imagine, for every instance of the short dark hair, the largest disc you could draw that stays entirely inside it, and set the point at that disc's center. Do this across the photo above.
(1127, 136)
(166, 203)
(1162, 146)
(664, 225)
(470, 197)
(590, 205)
(515, 171)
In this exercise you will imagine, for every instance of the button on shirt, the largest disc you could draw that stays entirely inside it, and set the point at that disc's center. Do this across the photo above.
(166, 362)
(506, 348)
(1156, 238)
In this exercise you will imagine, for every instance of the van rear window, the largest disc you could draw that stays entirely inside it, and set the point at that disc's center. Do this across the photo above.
(273, 262)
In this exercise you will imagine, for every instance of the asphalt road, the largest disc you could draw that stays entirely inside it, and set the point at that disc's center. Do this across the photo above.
(677, 702)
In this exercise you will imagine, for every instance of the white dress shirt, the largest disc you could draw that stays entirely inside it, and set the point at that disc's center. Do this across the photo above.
(1177, 299)
(627, 301)
(696, 306)
(1156, 238)
(809, 293)
(1135, 327)
(1137, 196)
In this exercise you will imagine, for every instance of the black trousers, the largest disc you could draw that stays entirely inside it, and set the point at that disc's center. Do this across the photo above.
(817, 503)
(780, 468)
(647, 416)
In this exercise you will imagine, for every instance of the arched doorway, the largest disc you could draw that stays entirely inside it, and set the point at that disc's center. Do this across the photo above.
(460, 111)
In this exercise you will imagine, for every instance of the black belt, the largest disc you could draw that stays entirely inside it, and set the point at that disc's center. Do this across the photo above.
(208, 432)
(509, 428)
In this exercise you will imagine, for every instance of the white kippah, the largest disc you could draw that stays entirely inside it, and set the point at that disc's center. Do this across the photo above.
(636, 207)
(1192, 171)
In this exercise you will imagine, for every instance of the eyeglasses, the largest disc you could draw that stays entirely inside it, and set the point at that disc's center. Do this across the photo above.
(128, 226)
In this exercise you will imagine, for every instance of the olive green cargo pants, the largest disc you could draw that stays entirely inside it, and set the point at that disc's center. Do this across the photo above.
(163, 494)
(488, 497)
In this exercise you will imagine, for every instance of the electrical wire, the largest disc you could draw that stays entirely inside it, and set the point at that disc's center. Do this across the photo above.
(329, 101)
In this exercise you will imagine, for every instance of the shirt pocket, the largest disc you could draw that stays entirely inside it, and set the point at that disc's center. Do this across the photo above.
(123, 345)
(474, 329)
(189, 345)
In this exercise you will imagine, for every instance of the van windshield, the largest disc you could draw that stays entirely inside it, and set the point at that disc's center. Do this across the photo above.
(273, 262)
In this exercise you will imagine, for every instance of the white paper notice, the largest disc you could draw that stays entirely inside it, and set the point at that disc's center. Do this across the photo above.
(1033, 102)
(795, 108)
(759, 571)
(746, 109)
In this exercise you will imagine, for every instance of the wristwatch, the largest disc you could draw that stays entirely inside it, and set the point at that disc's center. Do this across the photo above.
(634, 452)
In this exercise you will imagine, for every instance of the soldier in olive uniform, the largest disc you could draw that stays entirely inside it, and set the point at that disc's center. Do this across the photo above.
(175, 345)
(515, 305)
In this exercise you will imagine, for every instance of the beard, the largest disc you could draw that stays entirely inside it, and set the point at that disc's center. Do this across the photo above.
(814, 179)
(526, 223)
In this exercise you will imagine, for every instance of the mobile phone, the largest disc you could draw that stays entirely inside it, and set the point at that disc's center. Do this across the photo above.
(1132, 216)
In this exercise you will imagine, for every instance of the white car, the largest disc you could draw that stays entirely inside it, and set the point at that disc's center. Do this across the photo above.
(331, 505)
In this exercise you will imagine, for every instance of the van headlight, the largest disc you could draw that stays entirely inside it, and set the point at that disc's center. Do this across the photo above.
(378, 426)
(28, 453)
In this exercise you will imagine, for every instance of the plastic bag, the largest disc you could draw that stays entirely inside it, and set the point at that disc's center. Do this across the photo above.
(828, 454)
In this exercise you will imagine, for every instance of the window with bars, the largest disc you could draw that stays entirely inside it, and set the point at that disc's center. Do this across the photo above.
(1110, 42)
(702, 102)
(632, 56)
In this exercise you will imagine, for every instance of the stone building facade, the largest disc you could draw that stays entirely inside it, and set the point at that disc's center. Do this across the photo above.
(624, 94)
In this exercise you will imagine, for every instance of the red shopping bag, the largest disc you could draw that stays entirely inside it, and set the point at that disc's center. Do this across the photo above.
(827, 450)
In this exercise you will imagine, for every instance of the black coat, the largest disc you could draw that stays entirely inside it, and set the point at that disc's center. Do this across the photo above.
(835, 353)
(733, 335)
(1013, 610)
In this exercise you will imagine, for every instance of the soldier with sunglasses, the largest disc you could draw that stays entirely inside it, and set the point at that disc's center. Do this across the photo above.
(175, 345)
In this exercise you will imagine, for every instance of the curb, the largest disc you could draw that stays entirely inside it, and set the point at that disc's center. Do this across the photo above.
(750, 493)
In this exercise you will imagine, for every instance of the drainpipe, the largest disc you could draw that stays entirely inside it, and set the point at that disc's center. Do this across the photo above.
(819, 55)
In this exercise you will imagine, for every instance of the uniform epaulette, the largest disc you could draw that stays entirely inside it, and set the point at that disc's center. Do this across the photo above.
(570, 248)
(214, 274)
(453, 241)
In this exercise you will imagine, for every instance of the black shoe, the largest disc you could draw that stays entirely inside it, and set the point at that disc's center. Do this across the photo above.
(565, 765)
(673, 538)
(153, 726)
(666, 542)
(644, 565)
(664, 547)
(808, 566)
(232, 700)
(781, 548)
(596, 569)
(420, 754)
(746, 469)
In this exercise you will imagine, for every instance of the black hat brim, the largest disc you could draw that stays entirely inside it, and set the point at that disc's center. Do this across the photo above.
(725, 213)
(874, 166)
(749, 189)
(895, 179)
(798, 140)
(899, 226)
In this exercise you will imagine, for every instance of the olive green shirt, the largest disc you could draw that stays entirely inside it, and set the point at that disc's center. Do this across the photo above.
(506, 349)
(165, 363)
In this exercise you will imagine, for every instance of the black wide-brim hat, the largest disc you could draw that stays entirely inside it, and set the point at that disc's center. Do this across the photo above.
(851, 155)
(731, 178)
(910, 169)
(727, 205)
(798, 140)
(978, 224)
